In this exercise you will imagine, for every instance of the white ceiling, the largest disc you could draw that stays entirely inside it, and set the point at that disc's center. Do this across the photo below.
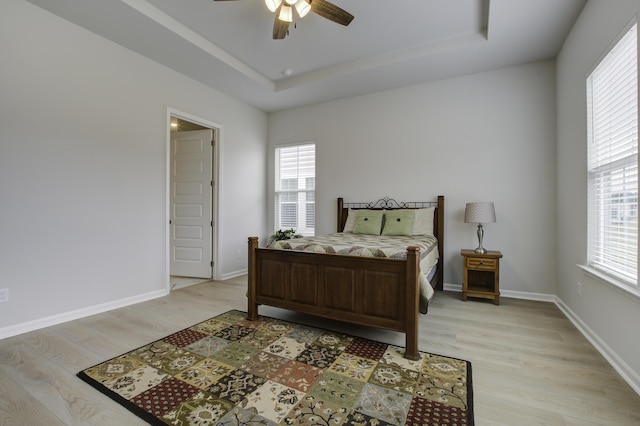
(228, 46)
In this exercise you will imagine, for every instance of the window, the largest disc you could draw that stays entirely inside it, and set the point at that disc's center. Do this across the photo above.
(295, 174)
(612, 110)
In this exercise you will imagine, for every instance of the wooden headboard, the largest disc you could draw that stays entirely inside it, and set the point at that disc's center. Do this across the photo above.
(387, 203)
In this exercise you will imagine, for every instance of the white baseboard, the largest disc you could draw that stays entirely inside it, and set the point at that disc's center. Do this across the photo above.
(626, 372)
(28, 326)
(234, 274)
(540, 297)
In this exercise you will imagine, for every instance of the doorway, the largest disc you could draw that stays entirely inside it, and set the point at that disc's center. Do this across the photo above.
(192, 200)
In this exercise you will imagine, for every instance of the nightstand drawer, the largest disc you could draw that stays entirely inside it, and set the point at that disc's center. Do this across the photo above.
(480, 263)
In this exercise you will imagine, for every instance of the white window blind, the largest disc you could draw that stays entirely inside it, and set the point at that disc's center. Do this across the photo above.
(612, 109)
(295, 182)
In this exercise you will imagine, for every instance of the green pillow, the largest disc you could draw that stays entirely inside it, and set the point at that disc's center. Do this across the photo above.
(398, 222)
(368, 222)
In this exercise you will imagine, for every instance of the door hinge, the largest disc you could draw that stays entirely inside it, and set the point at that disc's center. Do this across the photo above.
(212, 224)
(211, 263)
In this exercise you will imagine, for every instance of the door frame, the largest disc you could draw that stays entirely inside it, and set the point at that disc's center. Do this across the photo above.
(217, 134)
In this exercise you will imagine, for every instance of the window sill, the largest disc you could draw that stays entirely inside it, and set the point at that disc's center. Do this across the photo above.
(623, 288)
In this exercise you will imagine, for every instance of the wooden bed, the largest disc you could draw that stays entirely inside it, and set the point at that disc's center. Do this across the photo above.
(370, 291)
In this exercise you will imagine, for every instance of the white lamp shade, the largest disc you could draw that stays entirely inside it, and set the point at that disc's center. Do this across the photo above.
(286, 13)
(273, 5)
(480, 212)
(302, 7)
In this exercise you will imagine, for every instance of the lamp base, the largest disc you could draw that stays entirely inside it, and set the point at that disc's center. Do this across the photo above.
(480, 249)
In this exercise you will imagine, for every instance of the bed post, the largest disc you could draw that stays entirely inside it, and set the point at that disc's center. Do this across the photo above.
(339, 215)
(440, 283)
(252, 313)
(413, 303)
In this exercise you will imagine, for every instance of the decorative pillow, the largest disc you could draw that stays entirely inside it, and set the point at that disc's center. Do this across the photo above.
(351, 220)
(368, 222)
(423, 222)
(398, 222)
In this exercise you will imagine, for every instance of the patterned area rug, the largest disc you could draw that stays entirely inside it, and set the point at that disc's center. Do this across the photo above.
(232, 371)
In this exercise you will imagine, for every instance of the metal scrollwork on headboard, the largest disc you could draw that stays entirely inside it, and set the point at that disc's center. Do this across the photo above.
(390, 203)
(387, 203)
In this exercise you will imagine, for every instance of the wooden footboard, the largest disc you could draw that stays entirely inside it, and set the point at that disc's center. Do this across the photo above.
(371, 291)
(376, 292)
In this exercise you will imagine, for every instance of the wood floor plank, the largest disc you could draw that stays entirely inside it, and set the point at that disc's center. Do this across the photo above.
(491, 411)
(530, 365)
(64, 352)
(72, 401)
(18, 407)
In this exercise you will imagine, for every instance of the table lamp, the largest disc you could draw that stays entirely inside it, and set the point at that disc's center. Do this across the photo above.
(480, 212)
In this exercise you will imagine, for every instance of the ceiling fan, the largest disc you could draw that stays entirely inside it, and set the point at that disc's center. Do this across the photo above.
(284, 13)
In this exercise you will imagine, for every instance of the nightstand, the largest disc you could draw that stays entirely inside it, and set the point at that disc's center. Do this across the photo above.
(481, 277)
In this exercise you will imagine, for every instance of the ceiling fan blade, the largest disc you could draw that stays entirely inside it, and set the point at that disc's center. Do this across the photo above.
(280, 28)
(331, 12)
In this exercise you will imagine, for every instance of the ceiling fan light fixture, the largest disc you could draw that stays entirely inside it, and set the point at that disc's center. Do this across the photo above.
(273, 5)
(286, 13)
(302, 7)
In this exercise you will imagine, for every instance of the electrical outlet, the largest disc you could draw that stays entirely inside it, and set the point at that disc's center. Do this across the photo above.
(4, 295)
(579, 288)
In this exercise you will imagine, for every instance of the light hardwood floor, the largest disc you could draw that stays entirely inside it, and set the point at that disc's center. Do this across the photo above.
(530, 365)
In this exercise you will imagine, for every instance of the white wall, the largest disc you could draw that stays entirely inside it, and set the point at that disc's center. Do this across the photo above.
(605, 314)
(484, 137)
(83, 156)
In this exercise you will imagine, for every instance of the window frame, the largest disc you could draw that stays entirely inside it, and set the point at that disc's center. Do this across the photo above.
(628, 284)
(303, 202)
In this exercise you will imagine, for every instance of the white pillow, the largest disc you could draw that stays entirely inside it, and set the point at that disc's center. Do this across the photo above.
(423, 222)
(351, 220)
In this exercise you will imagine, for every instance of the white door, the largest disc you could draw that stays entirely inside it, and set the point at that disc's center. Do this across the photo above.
(191, 217)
